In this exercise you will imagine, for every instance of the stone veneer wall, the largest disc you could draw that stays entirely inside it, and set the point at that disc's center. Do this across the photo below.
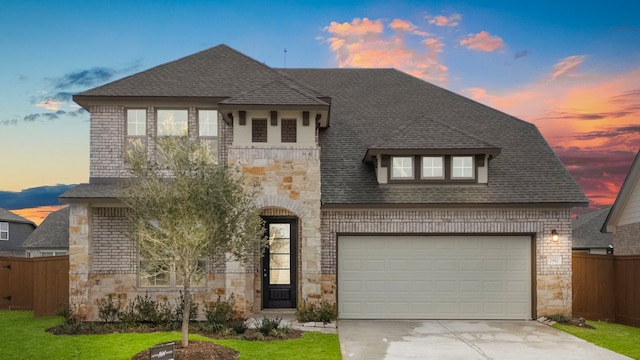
(553, 282)
(288, 178)
(626, 240)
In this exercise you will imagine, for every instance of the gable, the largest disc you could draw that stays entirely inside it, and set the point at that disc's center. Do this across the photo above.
(626, 208)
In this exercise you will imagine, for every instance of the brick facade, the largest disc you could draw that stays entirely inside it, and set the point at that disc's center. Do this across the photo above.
(553, 288)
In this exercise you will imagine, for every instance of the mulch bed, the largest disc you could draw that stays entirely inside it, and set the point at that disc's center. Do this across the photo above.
(197, 350)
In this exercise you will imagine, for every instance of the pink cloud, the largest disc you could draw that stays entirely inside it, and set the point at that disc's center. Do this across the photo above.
(483, 41)
(591, 120)
(441, 20)
(364, 43)
(567, 66)
(50, 104)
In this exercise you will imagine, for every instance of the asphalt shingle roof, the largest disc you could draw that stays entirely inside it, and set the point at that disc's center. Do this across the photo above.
(586, 230)
(368, 108)
(8, 216)
(52, 233)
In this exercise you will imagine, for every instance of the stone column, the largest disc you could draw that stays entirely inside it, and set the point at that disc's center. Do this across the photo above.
(80, 259)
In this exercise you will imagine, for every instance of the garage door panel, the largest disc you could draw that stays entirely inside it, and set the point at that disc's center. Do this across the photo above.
(439, 277)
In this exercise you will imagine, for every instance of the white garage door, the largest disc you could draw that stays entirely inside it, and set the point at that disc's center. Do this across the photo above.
(434, 277)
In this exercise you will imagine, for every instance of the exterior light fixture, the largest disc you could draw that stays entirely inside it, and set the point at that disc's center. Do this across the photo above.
(554, 235)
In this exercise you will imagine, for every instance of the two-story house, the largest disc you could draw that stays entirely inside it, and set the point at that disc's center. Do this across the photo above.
(14, 230)
(388, 195)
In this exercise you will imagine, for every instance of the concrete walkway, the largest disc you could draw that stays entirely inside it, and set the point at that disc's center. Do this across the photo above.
(457, 339)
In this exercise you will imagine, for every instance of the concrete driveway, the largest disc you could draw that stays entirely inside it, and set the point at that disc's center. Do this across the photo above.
(462, 339)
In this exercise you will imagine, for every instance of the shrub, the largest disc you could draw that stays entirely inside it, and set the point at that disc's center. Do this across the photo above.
(239, 326)
(108, 310)
(220, 314)
(193, 312)
(323, 311)
(268, 326)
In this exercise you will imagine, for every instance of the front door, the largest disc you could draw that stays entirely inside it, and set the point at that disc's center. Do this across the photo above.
(279, 263)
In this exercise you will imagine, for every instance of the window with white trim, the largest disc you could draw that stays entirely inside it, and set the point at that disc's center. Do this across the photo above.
(402, 167)
(432, 167)
(158, 274)
(172, 122)
(4, 231)
(136, 128)
(208, 130)
(462, 167)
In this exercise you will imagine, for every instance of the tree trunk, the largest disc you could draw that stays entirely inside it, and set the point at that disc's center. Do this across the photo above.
(186, 310)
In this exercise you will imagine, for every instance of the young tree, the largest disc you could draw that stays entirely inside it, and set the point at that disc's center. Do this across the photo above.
(185, 209)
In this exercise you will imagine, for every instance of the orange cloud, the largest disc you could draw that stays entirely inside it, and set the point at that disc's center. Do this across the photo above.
(50, 104)
(483, 41)
(441, 20)
(363, 43)
(591, 120)
(37, 214)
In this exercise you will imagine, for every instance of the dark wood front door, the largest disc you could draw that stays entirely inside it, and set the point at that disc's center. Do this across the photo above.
(279, 263)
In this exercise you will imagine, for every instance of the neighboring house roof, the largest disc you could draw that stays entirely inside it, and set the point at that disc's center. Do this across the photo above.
(368, 107)
(8, 216)
(53, 232)
(586, 231)
(630, 186)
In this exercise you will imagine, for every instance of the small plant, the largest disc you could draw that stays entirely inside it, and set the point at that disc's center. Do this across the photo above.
(266, 326)
(147, 310)
(323, 311)
(560, 318)
(239, 326)
(220, 314)
(108, 310)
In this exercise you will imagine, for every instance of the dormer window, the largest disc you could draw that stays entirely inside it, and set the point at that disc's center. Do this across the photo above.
(432, 167)
(402, 167)
(462, 167)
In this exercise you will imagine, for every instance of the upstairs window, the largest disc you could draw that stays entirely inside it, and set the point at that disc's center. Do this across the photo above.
(402, 167)
(289, 130)
(462, 167)
(208, 130)
(4, 231)
(432, 167)
(259, 130)
(136, 128)
(172, 122)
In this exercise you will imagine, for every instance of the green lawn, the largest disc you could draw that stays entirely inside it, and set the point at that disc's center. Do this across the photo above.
(619, 338)
(24, 337)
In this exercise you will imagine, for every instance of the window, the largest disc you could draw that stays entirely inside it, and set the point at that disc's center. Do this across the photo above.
(158, 274)
(462, 167)
(432, 167)
(208, 130)
(402, 167)
(136, 128)
(208, 123)
(258, 130)
(289, 130)
(4, 231)
(172, 122)
(53, 253)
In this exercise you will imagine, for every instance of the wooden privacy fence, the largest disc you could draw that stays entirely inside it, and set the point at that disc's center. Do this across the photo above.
(38, 284)
(607, 287)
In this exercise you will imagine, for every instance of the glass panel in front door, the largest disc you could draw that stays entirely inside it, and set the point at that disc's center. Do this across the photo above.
(279, 254)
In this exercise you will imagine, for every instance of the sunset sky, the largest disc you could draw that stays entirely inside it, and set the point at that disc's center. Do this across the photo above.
(573, 70)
